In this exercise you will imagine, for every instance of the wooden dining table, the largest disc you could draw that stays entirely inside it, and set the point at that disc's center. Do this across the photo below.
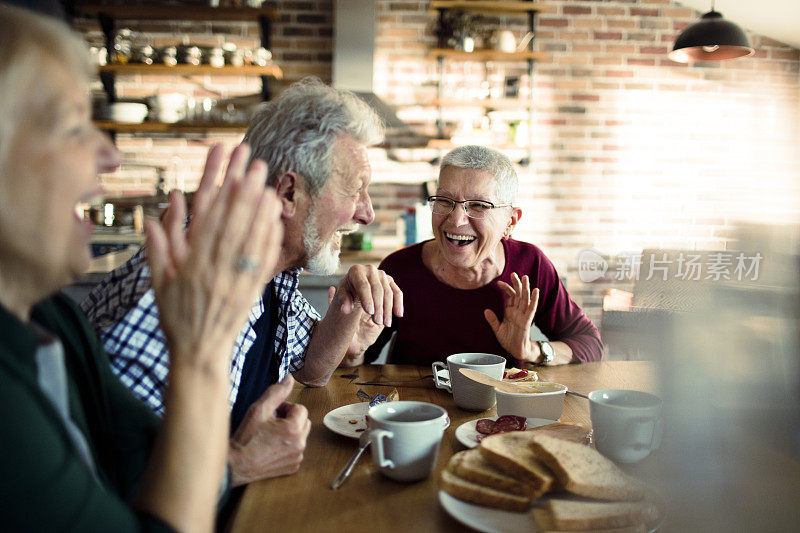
(368, 501)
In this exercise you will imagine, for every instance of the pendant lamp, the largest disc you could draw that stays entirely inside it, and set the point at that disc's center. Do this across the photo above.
(712, 38)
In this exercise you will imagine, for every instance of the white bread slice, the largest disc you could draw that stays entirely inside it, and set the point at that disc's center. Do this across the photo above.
(544, 519)
(572, 432)
(471, 466)
(585, 471)
(573, 515)
(511, 453)
(468, 491)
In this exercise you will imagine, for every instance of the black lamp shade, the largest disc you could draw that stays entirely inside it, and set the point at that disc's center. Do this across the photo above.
(712, 38)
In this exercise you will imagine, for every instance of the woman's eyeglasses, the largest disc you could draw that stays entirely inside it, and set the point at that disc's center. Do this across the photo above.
(442, 205)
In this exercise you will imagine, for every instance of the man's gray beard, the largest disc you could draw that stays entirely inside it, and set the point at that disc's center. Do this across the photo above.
(324, 261)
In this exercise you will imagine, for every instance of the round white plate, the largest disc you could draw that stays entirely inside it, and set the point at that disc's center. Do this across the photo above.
(496, 521)
(338, 420)
(466, 433)
(486, 519)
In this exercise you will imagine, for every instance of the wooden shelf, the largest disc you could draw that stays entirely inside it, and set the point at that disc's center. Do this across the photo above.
(165, 12)
(485, 55)
(489, 103)
(487, 7)
(192, 70)
(163, 127)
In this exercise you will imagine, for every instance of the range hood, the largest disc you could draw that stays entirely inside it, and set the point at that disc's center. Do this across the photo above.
(353, 65)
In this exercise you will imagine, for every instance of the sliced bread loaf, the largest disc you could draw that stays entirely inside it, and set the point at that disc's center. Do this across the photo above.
(468, 491)
(583, 470)
(511, 453)
(471, 465)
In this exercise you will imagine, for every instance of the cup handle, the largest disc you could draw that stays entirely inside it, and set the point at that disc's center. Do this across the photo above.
(658, 429)
(655, 432)
(377, 436)
(440, 383)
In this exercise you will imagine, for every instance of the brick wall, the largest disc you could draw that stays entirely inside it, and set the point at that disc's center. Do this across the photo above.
(630, 150)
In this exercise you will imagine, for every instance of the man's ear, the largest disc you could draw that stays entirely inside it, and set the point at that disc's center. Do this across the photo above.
(288, 187)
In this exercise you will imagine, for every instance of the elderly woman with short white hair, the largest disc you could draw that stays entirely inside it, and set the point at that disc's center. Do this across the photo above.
(475, 289)
(79, 452)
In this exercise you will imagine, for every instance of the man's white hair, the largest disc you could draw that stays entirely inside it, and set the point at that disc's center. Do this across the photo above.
(298, 130)
(487, 160)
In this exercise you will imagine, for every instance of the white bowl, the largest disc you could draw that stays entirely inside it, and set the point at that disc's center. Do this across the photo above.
(130, 112)
(546, 400)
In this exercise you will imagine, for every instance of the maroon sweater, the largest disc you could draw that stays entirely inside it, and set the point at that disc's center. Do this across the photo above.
(441, 320)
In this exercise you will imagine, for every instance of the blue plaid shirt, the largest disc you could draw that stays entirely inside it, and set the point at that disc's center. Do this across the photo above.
(123, 310)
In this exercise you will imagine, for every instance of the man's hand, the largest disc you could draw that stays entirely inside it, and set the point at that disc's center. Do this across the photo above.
(272, 437)
(374, 296)
(514, 332)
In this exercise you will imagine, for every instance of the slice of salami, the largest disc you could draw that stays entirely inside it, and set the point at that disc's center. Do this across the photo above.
(509, 423)
(480, 437)
(485, 426)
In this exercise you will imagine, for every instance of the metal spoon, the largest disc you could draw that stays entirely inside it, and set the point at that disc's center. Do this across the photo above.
(363, 444)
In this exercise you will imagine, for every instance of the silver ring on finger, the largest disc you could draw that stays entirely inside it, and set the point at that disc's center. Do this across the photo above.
(247, 263)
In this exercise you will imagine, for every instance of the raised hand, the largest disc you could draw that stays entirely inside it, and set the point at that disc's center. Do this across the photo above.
(514, 332)
(272, 437)
(205, 279)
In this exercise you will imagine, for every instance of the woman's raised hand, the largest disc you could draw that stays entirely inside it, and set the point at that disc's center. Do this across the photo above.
(514, 332)
(206, 278)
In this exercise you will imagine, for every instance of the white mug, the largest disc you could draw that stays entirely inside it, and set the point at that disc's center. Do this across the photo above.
(627, 424)
(405, 438)
(468, 394)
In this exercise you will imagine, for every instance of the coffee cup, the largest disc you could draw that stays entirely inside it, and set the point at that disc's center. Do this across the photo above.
(468, 394)
(627, 424)
(405, 438)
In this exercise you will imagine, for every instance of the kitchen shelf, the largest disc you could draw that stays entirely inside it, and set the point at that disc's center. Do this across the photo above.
(188, 70)
(486, 7)
(165, 12)
(485, 55)
(164, 127)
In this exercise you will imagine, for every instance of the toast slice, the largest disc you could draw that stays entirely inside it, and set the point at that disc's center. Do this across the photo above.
(584, 471)
(468, 491)
(472, 466)
(512, 453)
(573, 515)
(572, 432)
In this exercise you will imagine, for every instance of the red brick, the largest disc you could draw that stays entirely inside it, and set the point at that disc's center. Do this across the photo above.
(621, 23)
(641, 62)
(642, 12)
(619, 73)
(610, 11)
(608, 35)
(553, 22)
(660, 50)
(576, 10)
(585, 98)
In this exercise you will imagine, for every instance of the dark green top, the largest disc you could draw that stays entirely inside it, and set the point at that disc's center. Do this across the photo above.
(44, 483)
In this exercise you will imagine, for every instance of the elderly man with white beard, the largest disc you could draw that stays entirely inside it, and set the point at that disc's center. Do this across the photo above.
(314, 140)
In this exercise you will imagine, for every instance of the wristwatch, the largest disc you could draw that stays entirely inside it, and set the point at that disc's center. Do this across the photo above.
(548, 352)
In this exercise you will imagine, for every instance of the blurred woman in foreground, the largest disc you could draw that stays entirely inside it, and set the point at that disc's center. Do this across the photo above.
(77, 450)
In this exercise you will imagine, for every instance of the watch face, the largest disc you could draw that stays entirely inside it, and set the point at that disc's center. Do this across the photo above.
(548, 352)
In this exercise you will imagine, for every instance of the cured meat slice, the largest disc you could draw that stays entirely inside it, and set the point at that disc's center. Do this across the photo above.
(485, 426)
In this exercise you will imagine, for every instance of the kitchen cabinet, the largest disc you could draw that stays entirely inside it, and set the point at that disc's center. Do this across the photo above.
(109, 15)
(488, 102)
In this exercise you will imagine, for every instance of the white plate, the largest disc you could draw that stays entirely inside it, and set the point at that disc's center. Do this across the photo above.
(485, 518)
(466, 432)
(496, 521)
(338, 420)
